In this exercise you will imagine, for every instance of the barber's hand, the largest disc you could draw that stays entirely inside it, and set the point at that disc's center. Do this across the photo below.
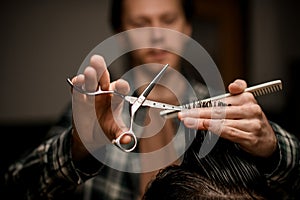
(94, 115)
(243, 122)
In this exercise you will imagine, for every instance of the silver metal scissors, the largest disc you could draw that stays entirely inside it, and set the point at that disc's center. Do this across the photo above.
(136, 102)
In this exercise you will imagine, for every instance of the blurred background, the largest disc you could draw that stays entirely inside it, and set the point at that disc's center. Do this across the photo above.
(44, 41)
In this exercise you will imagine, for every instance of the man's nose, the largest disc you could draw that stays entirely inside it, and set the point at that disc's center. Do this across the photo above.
(157, 36)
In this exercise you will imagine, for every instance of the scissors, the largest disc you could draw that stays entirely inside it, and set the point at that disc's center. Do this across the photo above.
(136, 102)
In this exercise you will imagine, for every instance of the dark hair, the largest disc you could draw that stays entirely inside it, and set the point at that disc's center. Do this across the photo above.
(177, 183)
(116, 13)
(225, 173)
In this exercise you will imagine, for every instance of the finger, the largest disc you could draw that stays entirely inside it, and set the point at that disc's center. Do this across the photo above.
(230, 133)
(120, 129)
(90, 79)
(246, 111)
(195, 123)
(121, 86)
(209, 112)
(240, 133)
(229, 125)
(102, 74)
(223, 128)
(237, 87)
(215, 126)
(78, 80)
(126, 139)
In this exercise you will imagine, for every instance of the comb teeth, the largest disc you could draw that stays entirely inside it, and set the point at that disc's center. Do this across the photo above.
(264, 91)
(265, 88)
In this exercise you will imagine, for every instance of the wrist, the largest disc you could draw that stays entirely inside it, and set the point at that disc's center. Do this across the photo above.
(83, 160)
(268, 164)
(78, 150)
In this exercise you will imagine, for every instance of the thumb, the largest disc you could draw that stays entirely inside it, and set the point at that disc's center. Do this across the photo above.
(237, 87)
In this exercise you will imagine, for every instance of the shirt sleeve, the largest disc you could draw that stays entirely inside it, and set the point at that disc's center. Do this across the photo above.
(282, 170)
(48, 171)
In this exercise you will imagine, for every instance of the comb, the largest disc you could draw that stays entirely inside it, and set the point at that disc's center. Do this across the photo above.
(257, 90)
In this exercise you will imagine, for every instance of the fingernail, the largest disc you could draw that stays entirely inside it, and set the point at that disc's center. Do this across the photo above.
(185, 113)
(190, 122)
(180, 115)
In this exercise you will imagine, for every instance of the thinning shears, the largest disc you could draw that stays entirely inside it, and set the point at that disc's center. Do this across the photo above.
(136, 102)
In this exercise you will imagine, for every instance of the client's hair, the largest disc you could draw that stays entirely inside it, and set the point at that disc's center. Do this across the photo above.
(176, 183)
(225, 173)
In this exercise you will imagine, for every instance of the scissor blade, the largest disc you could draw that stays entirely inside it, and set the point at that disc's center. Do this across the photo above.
(154, 81)
(153, 104)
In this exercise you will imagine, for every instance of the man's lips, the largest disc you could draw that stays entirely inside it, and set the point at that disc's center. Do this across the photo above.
(158, 54)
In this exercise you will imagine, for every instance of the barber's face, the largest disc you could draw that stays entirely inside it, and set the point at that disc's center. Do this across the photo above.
(155, 13)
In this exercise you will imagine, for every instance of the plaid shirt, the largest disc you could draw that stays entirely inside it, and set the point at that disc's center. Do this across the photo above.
(49, 173)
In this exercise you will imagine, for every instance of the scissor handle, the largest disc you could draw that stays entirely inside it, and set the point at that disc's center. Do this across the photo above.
(126, 147)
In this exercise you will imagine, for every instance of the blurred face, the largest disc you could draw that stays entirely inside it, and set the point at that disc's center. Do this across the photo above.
(155, 13)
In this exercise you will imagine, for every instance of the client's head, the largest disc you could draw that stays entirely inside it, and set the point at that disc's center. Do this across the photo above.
(225, 173)
(177, 183)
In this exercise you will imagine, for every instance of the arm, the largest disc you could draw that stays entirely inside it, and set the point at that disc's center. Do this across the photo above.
(48, 170)
(61, 163)
(282, 169)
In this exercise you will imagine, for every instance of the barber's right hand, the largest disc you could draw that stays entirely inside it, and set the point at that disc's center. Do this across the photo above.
(96, 119)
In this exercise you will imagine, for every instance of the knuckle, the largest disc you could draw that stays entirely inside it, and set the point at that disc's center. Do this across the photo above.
(257, 125)
(232, 133)
(247, 97)
(253, 140)
(255, 109)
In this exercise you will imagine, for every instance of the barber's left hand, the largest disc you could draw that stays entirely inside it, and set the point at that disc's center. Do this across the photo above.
(243, 122)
